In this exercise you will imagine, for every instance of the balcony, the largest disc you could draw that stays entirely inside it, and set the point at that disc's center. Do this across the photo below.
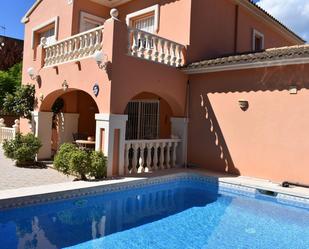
(140, 44)
(150, 155)
(151, 47)
(74, 48)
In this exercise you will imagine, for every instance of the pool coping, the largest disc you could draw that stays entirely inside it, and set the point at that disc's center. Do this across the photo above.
(238, 185)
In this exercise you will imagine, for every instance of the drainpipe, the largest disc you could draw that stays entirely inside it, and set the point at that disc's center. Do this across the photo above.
(187, 115)
(236, 29)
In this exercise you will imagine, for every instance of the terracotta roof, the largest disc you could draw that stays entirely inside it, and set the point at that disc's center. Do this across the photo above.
(268, 55)
(276, 20)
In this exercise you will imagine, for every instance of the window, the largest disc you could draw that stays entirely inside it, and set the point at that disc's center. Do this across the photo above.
(48, 29)
(49, 35)
(145, 19)
(89, 21)
(145, 23)
(258, 41)
(143, 119)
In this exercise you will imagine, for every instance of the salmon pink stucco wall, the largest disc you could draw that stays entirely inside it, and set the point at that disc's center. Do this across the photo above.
(216, 31)
(269, 140)
(132, 76)
(174, 17)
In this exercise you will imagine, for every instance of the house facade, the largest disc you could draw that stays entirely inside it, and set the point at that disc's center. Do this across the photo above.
(160, 83)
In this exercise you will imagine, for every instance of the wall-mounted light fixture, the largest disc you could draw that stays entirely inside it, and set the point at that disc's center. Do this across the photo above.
(65, 86)
(243, 104)
(293, 89)
(101, 59)
(31, 72)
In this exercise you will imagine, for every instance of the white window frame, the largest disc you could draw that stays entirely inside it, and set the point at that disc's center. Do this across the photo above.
(54, 20)
(255, 34)
(154, 8)
(85, 15)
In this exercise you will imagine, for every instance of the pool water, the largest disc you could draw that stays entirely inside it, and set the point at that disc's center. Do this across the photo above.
(181, 214)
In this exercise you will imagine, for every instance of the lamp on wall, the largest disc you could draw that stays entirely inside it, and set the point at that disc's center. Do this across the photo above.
(101, 59)
(32, 73)
(65, 86)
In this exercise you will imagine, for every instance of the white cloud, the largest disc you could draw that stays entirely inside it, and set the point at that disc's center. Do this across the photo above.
(292, 13)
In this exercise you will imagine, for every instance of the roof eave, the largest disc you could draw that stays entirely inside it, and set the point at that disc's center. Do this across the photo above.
(25, 19)
(248, 65)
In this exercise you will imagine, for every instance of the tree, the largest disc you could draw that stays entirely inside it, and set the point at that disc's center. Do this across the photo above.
(9, 81)
(21, 103)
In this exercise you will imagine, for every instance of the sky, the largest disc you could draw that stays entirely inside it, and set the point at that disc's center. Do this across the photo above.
(293, 13)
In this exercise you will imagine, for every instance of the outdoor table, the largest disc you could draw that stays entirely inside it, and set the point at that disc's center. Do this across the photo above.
(85, 143)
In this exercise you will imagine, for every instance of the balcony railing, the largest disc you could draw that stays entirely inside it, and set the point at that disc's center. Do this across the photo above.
(74, 48)
(152, 47)
(8, 133)
(150, 155)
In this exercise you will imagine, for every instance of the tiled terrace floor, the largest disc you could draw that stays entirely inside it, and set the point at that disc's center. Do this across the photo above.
(12, 177)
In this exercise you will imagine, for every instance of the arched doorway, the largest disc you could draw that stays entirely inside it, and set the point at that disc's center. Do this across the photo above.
(148, 117)
(73, 116)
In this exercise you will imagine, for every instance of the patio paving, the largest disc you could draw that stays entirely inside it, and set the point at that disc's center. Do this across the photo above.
(12, 177)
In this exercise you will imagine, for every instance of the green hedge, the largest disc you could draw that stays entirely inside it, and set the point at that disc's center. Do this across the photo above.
(75, 161)
(23, 149)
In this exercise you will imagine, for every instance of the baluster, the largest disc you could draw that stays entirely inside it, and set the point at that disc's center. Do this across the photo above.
(155, 157)
(134, 158)
(162, 45)
(127, 159)
(174, 59)
(81, 47)
(156, 51)
(148, 159)
(61, 52)
(135, 43)
(86, 41)
(97, 39)
(57, 54)
(174, 154)
(149, 46)
(168, 155)
(169, 56)
(142, 48)
(162, 145)
(179, 55)
(141, 158)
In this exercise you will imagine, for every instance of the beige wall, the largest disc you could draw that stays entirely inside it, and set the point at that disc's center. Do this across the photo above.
(269, 140)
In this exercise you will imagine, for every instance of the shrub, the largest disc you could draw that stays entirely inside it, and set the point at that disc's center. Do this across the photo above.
(62, 159)
(98, 165)
(23, 148)
(79, 163)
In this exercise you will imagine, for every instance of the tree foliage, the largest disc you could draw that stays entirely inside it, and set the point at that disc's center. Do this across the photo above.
(10, 80)
(21, 103)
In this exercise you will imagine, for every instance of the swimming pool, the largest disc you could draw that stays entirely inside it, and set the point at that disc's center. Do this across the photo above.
(187, 212)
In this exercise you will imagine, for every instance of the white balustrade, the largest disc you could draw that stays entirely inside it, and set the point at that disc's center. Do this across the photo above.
(152, 47)
(150, 155)
(7, 133)
(74, 48)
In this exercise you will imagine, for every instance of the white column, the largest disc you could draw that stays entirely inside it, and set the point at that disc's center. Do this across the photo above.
(42, 128)
(110, 122)
(68, 126)
(180, 130)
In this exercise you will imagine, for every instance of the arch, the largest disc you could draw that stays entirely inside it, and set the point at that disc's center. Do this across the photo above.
(165, 112)
(75, 119)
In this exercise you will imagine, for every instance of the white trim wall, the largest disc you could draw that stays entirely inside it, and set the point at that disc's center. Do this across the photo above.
(44, 24)
(180, 130)
(110, 122)
(154, 8)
